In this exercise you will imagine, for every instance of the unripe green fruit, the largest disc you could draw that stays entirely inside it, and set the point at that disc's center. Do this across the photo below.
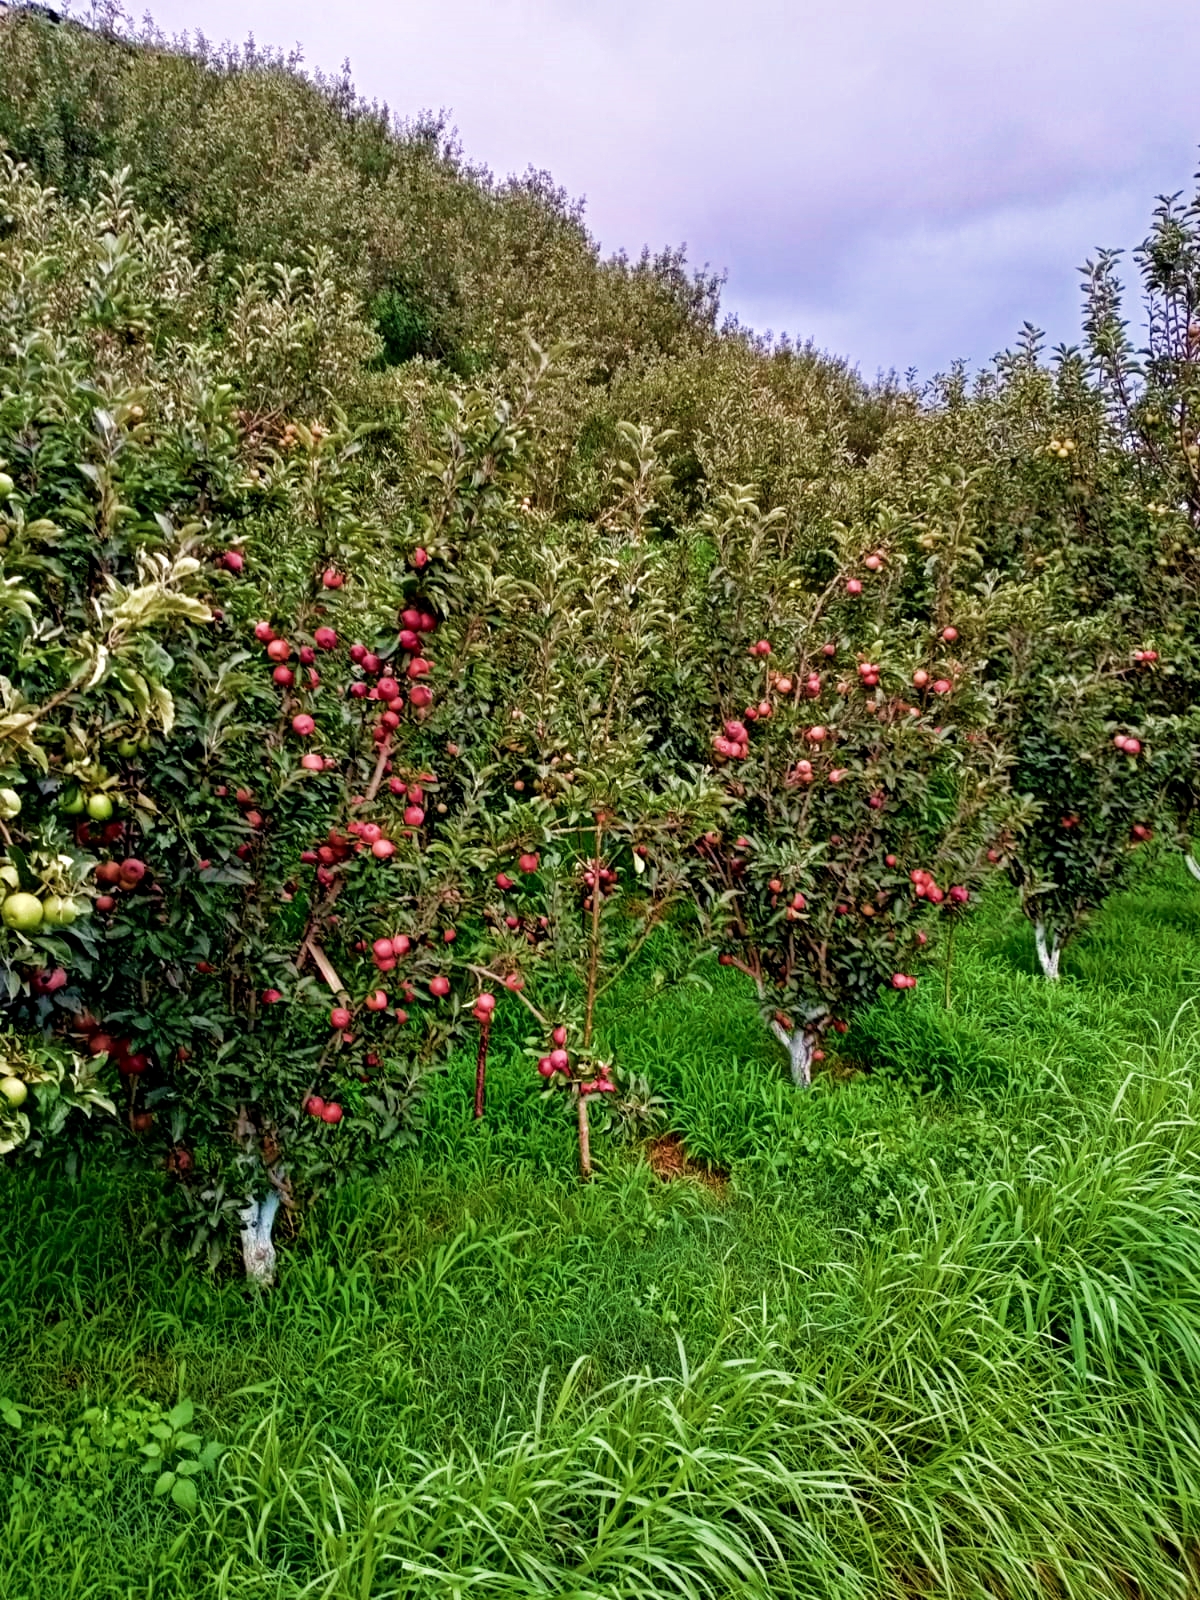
(99, 807)
(22, 911)
(71, 803)
(58, 911)
(6, 486)
(127, 748)
(10, 804)
(14, 1091)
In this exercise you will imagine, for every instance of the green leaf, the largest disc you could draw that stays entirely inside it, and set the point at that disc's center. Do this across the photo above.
(164, 1482)
(183, 1492)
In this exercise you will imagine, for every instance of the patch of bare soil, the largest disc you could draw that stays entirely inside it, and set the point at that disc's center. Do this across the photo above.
(670, 1161)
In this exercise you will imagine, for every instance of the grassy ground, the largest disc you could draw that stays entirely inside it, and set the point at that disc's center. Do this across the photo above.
(938, 1334)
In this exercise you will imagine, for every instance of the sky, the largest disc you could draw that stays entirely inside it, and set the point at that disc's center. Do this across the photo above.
(905, 184)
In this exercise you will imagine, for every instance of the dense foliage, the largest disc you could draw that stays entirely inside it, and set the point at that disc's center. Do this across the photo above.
(407, 613)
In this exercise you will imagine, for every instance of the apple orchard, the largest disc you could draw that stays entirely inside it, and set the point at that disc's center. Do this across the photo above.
(337, 749)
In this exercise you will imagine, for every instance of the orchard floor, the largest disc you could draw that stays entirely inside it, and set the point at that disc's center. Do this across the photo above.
(936, 1334)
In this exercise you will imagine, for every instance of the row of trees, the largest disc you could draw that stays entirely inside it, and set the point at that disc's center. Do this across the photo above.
(325, 741)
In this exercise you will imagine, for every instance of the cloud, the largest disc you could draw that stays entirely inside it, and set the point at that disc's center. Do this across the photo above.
(868, 173)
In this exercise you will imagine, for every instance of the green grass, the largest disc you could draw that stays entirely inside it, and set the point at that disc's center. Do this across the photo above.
(938, 1336)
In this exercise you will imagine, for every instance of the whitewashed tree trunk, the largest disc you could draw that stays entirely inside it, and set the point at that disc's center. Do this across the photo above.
(799, 1046)
(1193, 865)
(1048, 952)
(258, 1248)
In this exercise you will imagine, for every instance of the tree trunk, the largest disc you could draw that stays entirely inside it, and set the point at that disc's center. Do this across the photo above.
(485, 1029)
(1193, 865)
(258, 1248)
(799, 1046)
(1048, 953)
(585, 1140)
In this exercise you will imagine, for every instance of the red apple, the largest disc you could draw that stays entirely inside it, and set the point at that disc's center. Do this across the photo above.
(339, 1018)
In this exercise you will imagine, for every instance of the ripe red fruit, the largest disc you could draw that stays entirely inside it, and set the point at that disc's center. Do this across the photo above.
(899, 980)
(559, 1060)
(314, 1105)
(544, 1067)
(100, 1044)
(388, 688)
(504, 882)
(409, 641)
(414, 816)
(325, 639)
(332, 578)
(838, 774)
(312, 762)
(439, 987)
(383, 949)
(105, 902)
(271, 997)
(142, 1121)
(428, 622)
(515, 982)
(418, 667)
(383, 849)
(278, 650)
(371, 663)
(303, 725)
(421, 696)
(920, 678)
(959, 894)
(284, 677)
(339, 1017)
(358, 654)
(419, 557)
(378, 1001)
(401, 1015)
(264, 632)
(307, 655)
(485, 1003)
(873, 563)
(559, 1036)
(942, 686)
(411, 617)
(233, 560)
(528, 862)
(949, 635)
(854, 586)
(49, 981)
(332, 1112)
(254, 819)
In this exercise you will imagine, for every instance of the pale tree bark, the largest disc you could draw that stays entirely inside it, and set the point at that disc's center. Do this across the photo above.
(799, 1044)
(1193, 865)
(258, 1248)
(1049, 952)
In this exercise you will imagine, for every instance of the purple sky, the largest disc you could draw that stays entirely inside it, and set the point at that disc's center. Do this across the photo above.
(904, 183)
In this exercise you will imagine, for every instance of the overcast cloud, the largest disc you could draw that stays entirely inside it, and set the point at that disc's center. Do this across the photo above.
(906, 184)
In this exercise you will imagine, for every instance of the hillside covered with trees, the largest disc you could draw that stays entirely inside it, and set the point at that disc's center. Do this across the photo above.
(619, 902)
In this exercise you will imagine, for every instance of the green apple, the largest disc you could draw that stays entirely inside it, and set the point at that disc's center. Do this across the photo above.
(70, 802)
(14, 1091)
(99, 807)
(58, 911)
(23, 912)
